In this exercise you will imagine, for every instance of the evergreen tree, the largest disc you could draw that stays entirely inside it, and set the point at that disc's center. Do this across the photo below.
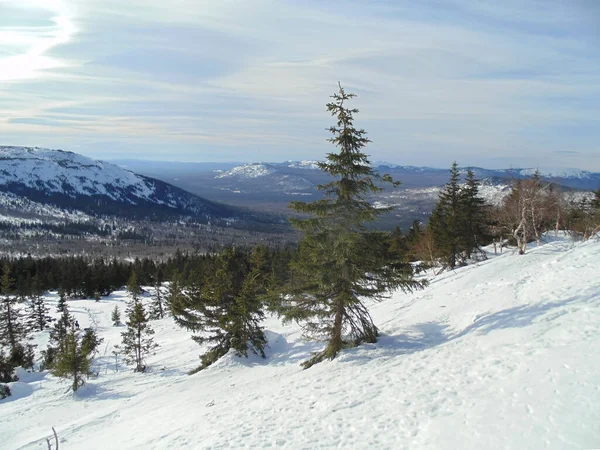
(73, 360)
(12, 322)
(339, 261)
(473, 214)
(174, 294)
(157, 310)
(59, 332)
(137, 340)
(6, 369)
(446, 222)
(133, 287)
(116, 316)
(38, 319)
(227, 309)
(61, 306)
(90, 341)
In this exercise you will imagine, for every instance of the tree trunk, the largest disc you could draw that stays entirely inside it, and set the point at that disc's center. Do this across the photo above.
(335, 343)
(138, 349)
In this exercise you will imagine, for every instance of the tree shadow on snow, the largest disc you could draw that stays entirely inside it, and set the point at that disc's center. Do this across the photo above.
(421, 336)
(427, 335)
(519, 316)
(96, 392)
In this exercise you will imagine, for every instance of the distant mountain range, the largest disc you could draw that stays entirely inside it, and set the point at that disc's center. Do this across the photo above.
(72, 181)
(253, 192)
(293, 178)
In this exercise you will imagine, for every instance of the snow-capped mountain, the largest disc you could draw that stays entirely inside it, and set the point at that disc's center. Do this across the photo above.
(548, 172)
(289, 178)
(70, 180)
(272, 185)
(254, 170)
(310, 165)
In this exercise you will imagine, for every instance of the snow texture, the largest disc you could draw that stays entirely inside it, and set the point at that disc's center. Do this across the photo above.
(502, 354)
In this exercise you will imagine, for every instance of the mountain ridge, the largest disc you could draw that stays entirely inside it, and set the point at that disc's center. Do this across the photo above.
(67, 179)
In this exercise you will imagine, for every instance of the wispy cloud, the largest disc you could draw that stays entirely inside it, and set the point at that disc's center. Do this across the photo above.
(480, 82)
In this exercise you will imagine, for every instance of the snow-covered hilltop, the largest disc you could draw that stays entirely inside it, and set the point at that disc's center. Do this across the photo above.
(253, 170)
(309, 165)
(71, 174)
(69, 180)
(498, 355)
(257, 170)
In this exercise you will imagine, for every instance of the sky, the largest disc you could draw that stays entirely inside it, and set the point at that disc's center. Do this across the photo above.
(498, 84)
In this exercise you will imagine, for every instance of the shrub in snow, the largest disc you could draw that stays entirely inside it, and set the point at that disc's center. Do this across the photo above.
(116, 316)
(4, 391)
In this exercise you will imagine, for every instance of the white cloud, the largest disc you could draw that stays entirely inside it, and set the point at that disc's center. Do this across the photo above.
(29, 45)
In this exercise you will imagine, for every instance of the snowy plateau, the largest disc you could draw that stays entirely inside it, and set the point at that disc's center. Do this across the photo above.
(501, 354)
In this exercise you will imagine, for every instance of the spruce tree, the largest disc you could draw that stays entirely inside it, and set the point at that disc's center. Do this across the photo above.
(38, 319)
(12, 321)
(157, 310)
(90, 341)
(340, 262)
(73, 361)
(473, 214)
(133, 287)
(6, 368)
(59, 331)
(446, 222)
(226, 309)
(116, 316)
(137, 340)
(174, 294)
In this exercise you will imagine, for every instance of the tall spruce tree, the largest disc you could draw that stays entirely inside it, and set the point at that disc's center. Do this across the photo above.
(226, 309)
(137, 340)
(446, 222)
(340, 262)
(474, 215)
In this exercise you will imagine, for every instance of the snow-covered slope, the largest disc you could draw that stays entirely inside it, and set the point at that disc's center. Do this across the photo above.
(70, 180)
(71, 174)
(498, 355)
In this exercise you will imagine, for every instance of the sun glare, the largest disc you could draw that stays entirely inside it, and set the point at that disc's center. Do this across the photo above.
(29, 61)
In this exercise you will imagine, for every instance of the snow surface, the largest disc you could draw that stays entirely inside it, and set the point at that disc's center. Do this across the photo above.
(69, 173)
(502, 354)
